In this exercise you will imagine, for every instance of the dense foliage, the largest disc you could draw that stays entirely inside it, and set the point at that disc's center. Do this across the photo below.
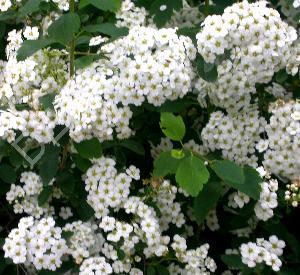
(149, 137)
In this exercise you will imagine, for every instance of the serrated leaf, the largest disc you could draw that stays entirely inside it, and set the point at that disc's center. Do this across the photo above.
(29, 47)
(89, 148)
(47, 101)
(83, 61)
(7, 173)
(48, 165)
(64, 28)
(206, 200)
(205, 70)
(191, 175)
(165, 165)
(108, 29)
(45, 195)
(229, 171)
(172, 126)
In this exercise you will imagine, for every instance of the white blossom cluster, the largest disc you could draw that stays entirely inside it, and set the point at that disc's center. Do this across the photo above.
(235, 135)
(84, 241)
(268, 197)
(259, 44)
(283, 144)
(95, 265)
(187, 17)
(292, 194)
(25, 198)
(197, 260)
(151, 64)
(129, 15)
(278, 91)
(263, 251)
(170, 210)
(106, 187)
(36, 242)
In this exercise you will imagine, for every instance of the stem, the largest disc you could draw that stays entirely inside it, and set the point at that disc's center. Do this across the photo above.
(72, 43)
(206, 10)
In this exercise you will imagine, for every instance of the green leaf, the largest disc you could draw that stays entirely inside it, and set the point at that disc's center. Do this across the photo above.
(83, 61)
(29, 47)
(48, 165)
(30, 7)
(165, 165)
(133, 146)
(89, 149)
(150, 270)
(8, 15)
(105, 5)
(64, 28)
(108, 29)
(47, 101)
(172, 126)
(66, 183)
(206, 200)
(161, 17)
(82, 164)
(45, 195)
(67, 234)
(191, 175)
(281, 76)
(121, 254)
(251, 186)
(7, 173)
(229, 172)
(233, 261)
(205, 70)
(84, 210)
(162, 270)
(177, 153)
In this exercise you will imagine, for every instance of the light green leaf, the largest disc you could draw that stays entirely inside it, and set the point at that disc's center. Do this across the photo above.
(64, 28)
(191, 175)
(177, 153)
(172, 126)
(89, 148)
(206, 200)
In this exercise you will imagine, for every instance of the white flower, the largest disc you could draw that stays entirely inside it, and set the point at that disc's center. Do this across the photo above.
(162, 7)
(31, 33)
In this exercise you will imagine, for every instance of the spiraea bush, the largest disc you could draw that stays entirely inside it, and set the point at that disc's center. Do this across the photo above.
(149, 137)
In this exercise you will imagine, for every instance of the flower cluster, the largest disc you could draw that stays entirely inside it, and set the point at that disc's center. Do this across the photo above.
(25, 198)
(282, 151)
(95, 265)
(197, 260)
(292, 194)
(259, 44)
(36, 242)
(263, 251)
(235, 135)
